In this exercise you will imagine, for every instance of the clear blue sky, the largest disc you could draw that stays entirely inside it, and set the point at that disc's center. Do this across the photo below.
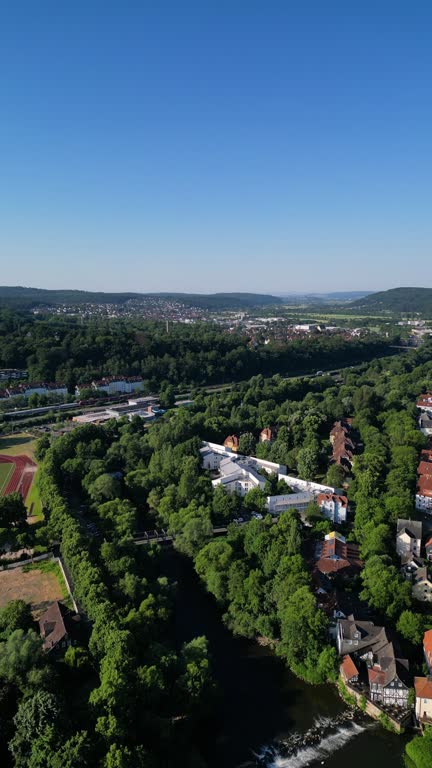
(212, 145)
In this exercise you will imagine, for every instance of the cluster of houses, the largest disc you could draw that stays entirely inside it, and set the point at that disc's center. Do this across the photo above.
(111, 385)
(424, 404)
(371, 660)
(423, 499)
(413, 566)
(240, 474)
(344, 443)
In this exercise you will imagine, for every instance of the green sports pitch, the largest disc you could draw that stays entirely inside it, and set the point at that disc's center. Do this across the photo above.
(5, 473)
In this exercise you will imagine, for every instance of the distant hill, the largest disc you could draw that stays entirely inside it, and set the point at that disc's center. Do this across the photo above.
(26, 298)
(397, 300)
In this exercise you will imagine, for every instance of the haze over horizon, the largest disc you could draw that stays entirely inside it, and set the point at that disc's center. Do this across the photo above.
(216, 147)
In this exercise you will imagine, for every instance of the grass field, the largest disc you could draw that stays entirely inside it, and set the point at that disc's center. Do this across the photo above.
(22, 444)
(5, 473)
(38, 584)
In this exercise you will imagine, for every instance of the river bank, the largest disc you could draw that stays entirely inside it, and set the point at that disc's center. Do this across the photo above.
(268, 718)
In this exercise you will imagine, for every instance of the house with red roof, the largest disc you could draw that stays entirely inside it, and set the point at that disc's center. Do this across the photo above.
(231, 442)
(427, 648)
(267, 435)
(423, 703)
(348, 670)
(336, 555)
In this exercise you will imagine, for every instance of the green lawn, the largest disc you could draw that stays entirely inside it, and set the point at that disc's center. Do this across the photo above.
(5, 473)
(34, 498)
(18, 444)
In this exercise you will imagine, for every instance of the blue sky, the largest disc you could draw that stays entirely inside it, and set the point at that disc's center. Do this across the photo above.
(202, 146)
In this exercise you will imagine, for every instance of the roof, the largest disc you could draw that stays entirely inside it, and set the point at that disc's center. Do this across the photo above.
(360, 636)
(337, 554)
(427, 642)
(428, 542)
(55, 624)
(348, 668)
(231, 439)
(413, 528)
(423, 687)
(424, 468)
(324, 498)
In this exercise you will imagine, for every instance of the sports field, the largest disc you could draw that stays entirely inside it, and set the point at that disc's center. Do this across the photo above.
(18, 468)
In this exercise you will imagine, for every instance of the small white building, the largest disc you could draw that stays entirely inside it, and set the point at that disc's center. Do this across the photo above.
(408, 538)
(333, 506)
(423, 692)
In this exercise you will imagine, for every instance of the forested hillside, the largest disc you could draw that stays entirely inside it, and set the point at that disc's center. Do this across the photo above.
(19, 297)
(397, 300)
(75, 351)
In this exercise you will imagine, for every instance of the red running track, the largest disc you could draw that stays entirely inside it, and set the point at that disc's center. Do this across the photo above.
(22, 475)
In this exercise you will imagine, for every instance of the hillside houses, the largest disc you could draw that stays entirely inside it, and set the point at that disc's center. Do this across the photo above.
(423, 499)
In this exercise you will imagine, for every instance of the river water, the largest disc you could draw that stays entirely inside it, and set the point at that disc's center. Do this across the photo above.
(268, 718)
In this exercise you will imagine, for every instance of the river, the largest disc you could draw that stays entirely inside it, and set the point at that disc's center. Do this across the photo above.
(266, 712)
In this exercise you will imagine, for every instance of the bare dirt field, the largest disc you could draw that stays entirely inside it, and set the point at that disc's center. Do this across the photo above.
(39, 588)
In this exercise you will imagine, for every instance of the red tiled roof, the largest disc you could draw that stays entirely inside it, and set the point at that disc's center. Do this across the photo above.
(323, 497)
(429, 542)
(423, 687)
(348, 668)
(231, 440)
(376, 675)
(425, 468)
(427, 642)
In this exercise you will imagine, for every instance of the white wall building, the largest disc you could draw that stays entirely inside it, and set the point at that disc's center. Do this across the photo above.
(408, 538)
(270, 467)
(333, 506)
(299, 501)
(296, 484)
(238, 477)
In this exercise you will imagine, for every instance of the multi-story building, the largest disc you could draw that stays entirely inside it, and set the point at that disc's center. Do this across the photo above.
(333, 506)
(238, 477)
(408, 538)
(367, 644)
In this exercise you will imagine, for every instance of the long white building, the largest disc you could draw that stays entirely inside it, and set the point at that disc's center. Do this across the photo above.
(239, 474)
